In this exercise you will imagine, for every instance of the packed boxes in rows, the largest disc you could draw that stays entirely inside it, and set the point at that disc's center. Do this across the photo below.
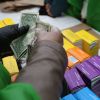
(72, 37)
(74, 80)
(85, 73)
(75, 54)
(86, 27)
(78, 53)
(82, 39)
(67, 45)
(88, 73)
(90, 43)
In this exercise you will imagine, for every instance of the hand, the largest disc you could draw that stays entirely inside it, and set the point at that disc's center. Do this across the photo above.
(9, 33)
(55, 35)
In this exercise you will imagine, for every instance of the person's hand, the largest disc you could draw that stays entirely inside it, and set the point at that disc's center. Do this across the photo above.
(9, 33)
(55, 35)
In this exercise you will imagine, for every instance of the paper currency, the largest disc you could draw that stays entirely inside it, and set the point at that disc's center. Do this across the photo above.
(19, 45)
(29, 19)
(43, 26)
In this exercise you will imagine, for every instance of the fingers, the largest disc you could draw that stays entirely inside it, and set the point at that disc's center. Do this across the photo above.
(58, 34)
(11, 32)
(22, 30)
(15, 31)
(55, 35)
(19, 30)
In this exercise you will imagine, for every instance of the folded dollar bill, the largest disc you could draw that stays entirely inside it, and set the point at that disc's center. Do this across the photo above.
(29, 19)
(43, 26)
(19, 45)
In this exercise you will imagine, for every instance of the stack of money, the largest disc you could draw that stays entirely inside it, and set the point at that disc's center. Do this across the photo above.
(20, 45)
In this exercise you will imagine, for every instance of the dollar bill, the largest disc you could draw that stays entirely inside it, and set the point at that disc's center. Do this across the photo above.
(43, 26)
(19, 45)
(29, 19)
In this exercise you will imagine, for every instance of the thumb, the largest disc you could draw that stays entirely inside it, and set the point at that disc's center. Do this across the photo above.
(21, 30)
(11, 32)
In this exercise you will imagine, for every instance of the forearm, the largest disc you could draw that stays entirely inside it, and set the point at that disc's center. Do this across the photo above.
(45, 70)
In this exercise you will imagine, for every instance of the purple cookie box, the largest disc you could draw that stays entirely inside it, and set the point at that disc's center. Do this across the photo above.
(88, 70)
(73, 79)
(95, 61)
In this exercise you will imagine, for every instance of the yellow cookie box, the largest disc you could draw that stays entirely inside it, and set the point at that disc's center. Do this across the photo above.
(67, 45)
(8, 21)
(2, 24)
(72, 37)
(90, 42)
(10, 64)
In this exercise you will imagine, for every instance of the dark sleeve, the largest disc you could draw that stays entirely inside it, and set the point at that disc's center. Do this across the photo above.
(48, 1)
(58, 7)
(45, 70)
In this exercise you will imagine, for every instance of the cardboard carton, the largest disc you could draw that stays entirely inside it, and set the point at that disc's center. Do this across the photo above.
(8, 21)
(74, 80)
(89, 74)
(90, 43)
(94, 33)
(10, 64)
(81, 26)
(2, 24)
(67, 45)
(69, 97)
(72, 61)
(78, 53)
(72, 37)
(95, 62)
(85, 94)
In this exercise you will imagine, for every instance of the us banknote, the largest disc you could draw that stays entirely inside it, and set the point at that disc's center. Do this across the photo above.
(44, 26)
(29, 19)
(19, 45)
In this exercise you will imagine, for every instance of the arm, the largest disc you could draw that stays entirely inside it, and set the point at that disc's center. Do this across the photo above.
(46, 66)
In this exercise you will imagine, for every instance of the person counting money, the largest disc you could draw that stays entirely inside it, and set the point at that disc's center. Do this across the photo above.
(42, 78)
